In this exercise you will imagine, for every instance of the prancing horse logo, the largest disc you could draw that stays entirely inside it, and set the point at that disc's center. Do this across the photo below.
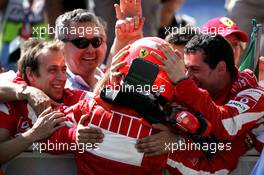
(143, 53)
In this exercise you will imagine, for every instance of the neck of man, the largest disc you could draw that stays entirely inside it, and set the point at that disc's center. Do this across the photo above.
(90, 79)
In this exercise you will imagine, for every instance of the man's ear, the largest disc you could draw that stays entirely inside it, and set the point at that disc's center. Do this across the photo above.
(30, 75)
(221, 67)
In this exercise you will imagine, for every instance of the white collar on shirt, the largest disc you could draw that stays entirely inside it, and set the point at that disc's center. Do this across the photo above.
(77, 78)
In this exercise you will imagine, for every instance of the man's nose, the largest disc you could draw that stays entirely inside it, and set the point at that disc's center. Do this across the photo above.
(90, 48)
(61, 75)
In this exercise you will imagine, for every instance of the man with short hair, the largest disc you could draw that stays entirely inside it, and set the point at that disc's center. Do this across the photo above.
(42, 66)
(213, 78)
(232, 107)
(180, 38)
(85, 49)
(230, 100)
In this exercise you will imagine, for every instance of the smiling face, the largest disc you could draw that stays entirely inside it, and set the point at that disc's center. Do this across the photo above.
(203, 76)
(51, 76)
(84, 61)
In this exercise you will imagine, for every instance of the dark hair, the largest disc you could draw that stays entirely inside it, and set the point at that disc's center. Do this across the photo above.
(215, 48)
(182, 35)
(31, 50)
(78, 15)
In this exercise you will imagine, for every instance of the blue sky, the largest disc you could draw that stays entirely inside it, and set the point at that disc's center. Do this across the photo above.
(202, 10)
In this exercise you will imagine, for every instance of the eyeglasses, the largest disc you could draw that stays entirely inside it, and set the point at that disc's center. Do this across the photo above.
(83, 42)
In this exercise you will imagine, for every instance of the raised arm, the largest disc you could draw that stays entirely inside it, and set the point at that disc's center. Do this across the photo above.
(229, 120)
(129, 26)
(128, 8)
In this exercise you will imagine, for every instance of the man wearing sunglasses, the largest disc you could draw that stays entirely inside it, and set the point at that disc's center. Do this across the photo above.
(85, 49)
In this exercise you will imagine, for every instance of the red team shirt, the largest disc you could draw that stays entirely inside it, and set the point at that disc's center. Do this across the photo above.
(18, 116)
(117, 154)
(232, 116)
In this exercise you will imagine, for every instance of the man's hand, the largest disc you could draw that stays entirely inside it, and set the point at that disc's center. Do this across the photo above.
(156, 144)
(37, 99)
(118, 62)
(85, 134)
(173, 65)
(47, 123)
(128, 8)
(129, 29)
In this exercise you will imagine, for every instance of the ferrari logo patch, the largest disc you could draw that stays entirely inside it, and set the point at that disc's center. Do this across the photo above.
(143, 53)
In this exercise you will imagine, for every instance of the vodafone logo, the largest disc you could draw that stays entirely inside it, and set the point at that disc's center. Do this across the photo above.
(244, 100)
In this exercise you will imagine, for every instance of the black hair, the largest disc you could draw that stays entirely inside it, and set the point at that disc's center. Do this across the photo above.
(215, 48)
(182, 35)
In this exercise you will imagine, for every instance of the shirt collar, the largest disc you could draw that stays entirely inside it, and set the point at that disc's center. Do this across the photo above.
(77, 80)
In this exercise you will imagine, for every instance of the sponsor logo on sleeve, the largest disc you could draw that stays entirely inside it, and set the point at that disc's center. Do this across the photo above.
(253, 93)
(241, 107)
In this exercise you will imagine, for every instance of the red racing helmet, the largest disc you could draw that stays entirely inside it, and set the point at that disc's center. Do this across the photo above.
(142, 49)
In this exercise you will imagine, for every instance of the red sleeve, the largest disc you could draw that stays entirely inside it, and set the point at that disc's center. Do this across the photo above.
(67, 134)
(234, 118)
(225, 160)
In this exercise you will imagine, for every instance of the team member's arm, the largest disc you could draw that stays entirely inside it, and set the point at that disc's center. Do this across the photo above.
(128, 9)
(46, 124)
(222, 162)
(129, 25)
(10, 91)
(158, 143)
(77, 130)
(237, 116)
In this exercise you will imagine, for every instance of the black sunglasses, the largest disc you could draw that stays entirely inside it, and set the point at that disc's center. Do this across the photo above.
(83, 42)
